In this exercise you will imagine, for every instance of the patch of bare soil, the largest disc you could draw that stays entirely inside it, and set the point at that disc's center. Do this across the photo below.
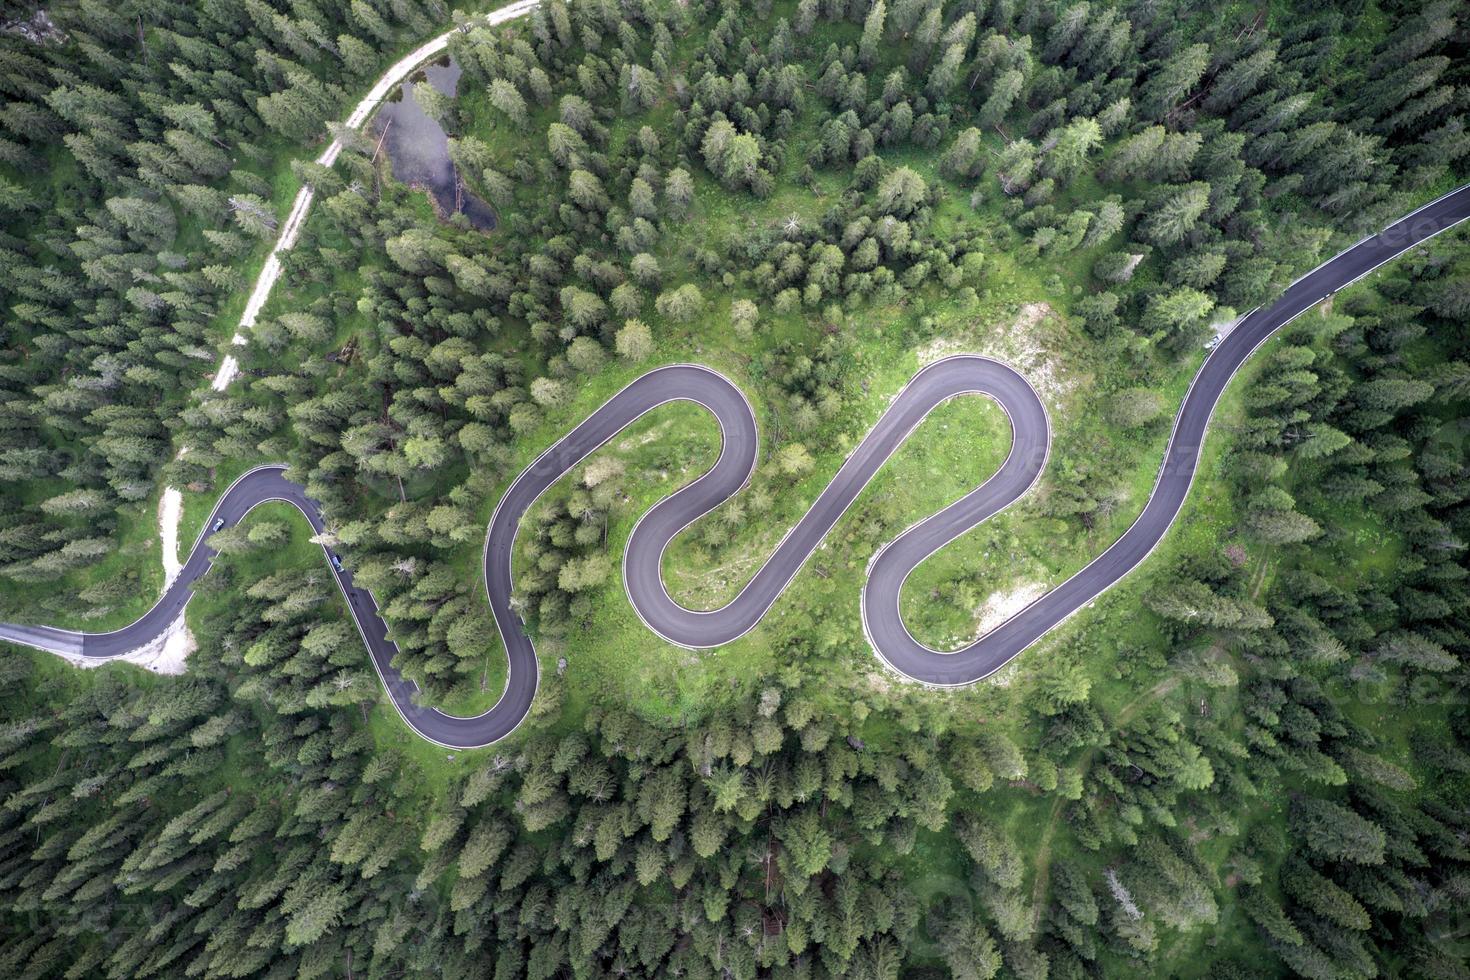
(1028, 344)
(1001, 606)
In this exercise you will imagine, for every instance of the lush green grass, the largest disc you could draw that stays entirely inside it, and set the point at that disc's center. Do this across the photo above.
(1076, 373)
(947, 456)
(52, 680)
(1021, 315)
(612, 655)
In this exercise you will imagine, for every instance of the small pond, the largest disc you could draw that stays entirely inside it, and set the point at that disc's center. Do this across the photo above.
(418, 148)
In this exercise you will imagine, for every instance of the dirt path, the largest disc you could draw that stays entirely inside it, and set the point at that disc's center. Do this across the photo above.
(168, 653)
(301, 206)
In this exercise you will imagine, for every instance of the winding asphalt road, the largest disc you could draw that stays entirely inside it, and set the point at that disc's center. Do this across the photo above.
(887, 571)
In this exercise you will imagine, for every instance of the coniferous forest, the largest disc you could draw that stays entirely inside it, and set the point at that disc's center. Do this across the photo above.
(1249, 759)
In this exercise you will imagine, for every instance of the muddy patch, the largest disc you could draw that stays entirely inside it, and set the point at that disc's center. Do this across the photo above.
(418, 147)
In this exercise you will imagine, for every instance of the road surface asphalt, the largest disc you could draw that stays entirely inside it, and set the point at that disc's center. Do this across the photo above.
(882, 622)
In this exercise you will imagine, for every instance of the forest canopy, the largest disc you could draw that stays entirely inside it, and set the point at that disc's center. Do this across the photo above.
(1251, 759)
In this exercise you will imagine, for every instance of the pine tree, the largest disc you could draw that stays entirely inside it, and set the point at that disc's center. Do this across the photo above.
(964, 160)
(635, 341)
(1174, 80)
(1001, 98)
(681, 305)
(946, 72)
(1070, 147)
(901, 192)
(505, 97)
(1323, 896)
(1336, 832)
(872, 35)
(679, 189)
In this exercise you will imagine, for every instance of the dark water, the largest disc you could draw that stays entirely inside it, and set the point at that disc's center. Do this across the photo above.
(419, 149)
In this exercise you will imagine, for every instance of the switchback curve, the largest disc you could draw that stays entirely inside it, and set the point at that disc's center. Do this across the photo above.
(888, 569)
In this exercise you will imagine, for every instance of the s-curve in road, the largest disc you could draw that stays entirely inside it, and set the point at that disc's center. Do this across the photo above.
(251, 489)
(963, 374)
(889, 568)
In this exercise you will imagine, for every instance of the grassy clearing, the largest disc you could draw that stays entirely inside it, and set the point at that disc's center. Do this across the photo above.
(1020, 315)
(947, 456)
(954, 450)
(613, 656)
(611, 653)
